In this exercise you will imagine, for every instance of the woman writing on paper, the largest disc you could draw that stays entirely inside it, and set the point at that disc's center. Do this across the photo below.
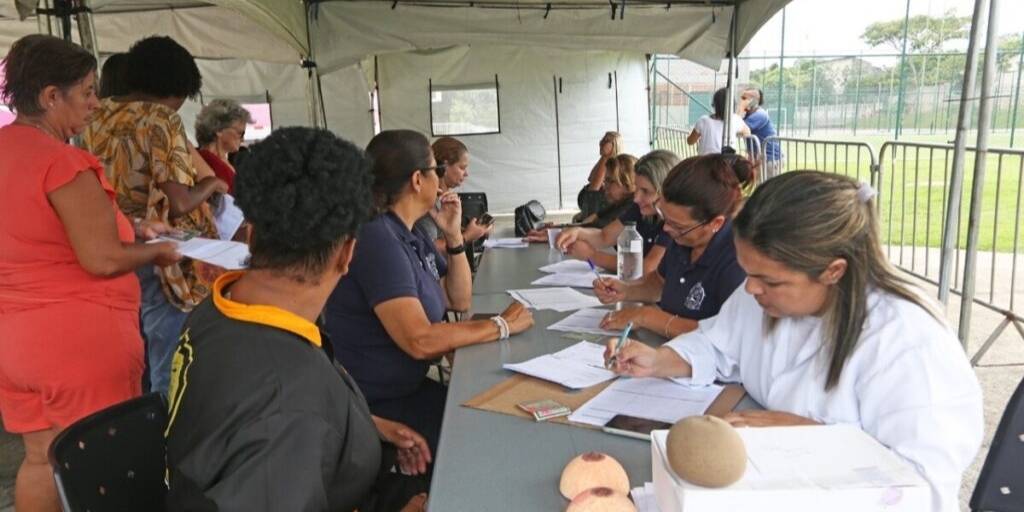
(699, 270)
(585, 243)
(386, 317)
(826, 331)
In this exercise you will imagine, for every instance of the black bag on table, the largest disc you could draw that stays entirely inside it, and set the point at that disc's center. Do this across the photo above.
(529, 216)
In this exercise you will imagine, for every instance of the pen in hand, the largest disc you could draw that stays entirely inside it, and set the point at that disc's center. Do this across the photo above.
(620, 344)
(598, 274)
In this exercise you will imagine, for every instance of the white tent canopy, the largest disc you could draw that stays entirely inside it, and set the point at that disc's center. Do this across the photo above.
(567, 71)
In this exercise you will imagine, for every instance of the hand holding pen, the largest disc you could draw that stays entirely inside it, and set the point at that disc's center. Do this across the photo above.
(618, 346)
(632, 359)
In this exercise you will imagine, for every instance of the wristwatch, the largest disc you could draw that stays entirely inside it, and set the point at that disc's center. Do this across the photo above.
(458, 249)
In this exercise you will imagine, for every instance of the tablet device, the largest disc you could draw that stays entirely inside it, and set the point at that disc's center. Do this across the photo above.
(631, 426)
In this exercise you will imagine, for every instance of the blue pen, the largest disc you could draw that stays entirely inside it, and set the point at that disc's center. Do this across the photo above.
(596, 273)
(620, 344)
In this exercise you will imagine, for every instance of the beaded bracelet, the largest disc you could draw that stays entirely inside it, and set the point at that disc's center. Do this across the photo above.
(502, 327)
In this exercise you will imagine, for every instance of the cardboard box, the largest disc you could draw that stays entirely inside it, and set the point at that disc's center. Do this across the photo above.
(838, 468)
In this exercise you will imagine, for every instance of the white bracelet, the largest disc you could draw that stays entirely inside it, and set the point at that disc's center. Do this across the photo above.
(502, 327)
(668, 323)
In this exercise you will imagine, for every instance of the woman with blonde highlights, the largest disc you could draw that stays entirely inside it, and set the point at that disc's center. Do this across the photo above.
(825, 331)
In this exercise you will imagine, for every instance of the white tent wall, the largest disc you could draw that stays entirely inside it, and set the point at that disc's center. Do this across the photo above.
(347, 104)
(522, 162)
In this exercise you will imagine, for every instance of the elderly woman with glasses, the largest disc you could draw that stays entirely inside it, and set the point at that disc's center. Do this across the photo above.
(585, 243)
(220, 131)
(386, 317)
(699, 270)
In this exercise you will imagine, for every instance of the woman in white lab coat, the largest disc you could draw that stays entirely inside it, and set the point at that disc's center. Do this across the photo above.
(826, 331)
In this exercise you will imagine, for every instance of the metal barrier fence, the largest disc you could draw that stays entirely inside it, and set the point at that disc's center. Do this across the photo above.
(912, 182)
(915, 213)
(674, 140)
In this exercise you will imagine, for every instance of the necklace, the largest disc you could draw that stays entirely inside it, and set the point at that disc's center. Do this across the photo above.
(44, 129)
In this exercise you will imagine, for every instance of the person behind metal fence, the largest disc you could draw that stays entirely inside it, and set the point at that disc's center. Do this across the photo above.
(699, 270)
(261, 418)
(751, 108)
(585, 243)
(141, 140)
(69, 328)
(386, 317)
(825, 330)
(707, 131)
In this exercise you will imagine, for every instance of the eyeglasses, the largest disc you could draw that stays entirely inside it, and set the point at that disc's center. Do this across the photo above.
(439, 170)
(673, 229)
(241, 133)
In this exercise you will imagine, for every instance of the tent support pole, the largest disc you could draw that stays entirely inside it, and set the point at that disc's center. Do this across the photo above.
(86, 28)
(956, 179)
(730, 102)
(44, 20)
(317, 115)
(988, 77)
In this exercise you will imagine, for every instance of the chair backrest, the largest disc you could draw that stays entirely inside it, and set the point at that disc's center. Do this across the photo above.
(1000, 486)
(474, 204)
(114, 459)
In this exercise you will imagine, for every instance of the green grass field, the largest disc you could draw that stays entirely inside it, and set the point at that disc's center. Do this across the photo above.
(915, 183)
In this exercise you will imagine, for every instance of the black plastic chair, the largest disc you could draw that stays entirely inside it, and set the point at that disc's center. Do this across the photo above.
(1000, 486)
(474, 204)
(114, 460)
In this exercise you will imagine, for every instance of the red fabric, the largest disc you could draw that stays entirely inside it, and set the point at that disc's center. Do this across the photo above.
(222, 169)
(37, 263)
(69, 340)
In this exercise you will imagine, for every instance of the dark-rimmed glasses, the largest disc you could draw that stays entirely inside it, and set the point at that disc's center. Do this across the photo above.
(439, 170)
(671, 228)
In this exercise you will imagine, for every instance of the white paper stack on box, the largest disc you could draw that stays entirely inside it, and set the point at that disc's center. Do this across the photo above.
(838, 468)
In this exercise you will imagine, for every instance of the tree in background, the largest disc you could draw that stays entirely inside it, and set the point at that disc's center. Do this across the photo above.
(925, 35)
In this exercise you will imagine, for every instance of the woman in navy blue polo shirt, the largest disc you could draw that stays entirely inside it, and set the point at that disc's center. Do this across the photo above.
(386, 316)
(699, 270)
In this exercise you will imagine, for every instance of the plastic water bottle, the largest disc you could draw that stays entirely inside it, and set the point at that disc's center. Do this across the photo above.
(631, 254)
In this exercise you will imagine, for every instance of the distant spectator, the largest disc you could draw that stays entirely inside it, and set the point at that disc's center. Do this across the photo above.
(590, 199)
(220, 131)
(707, 132)
(112, 81)
(751, 107)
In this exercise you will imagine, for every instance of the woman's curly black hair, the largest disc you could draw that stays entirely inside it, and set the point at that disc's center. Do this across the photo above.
(161, 67)
(306, 192)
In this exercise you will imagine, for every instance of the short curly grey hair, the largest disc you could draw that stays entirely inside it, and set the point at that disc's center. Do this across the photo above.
(216, 116)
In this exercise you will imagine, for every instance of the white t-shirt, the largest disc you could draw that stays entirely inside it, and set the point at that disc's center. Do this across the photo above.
(710, 131)
(907, 383)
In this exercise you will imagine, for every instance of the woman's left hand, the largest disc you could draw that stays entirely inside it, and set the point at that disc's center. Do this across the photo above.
(617, 320)
(413, 451)
(474, 230)
(449, 217)
(757, 418)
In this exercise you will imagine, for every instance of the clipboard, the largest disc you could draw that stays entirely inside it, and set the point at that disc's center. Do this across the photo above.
(503, 397)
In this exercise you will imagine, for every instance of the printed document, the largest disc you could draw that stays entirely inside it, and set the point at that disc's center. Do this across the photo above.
(558, 299)
(567, 267)
(505, 243)
(577, 367)
(585, 321)
(571, 279)
(648, 398)
(229, 255)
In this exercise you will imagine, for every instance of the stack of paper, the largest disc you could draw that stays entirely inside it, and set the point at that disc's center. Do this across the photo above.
(649, 398)
(574, 273)
(229, 255)
(558, 299)
(505, 243)
(585, 321)
(577, 367)
(566, 267)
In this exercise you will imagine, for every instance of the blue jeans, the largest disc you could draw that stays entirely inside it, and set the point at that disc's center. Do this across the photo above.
(161, 323)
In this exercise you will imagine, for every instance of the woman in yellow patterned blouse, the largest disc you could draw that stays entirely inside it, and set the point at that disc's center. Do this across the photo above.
(141, 140)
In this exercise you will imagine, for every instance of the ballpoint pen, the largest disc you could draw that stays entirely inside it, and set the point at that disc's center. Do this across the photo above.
(596, 273)
(620, 344)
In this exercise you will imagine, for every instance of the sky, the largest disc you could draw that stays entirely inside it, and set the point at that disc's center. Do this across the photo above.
(833, 27)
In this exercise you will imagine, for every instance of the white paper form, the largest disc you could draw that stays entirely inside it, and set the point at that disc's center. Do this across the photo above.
(649, 398)
(229, 255)
(228, 218)
(586, 321)
(558, 299)
(571, 279)
(505, 243)
(577, 367)
(643, 498)
(567, 267)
